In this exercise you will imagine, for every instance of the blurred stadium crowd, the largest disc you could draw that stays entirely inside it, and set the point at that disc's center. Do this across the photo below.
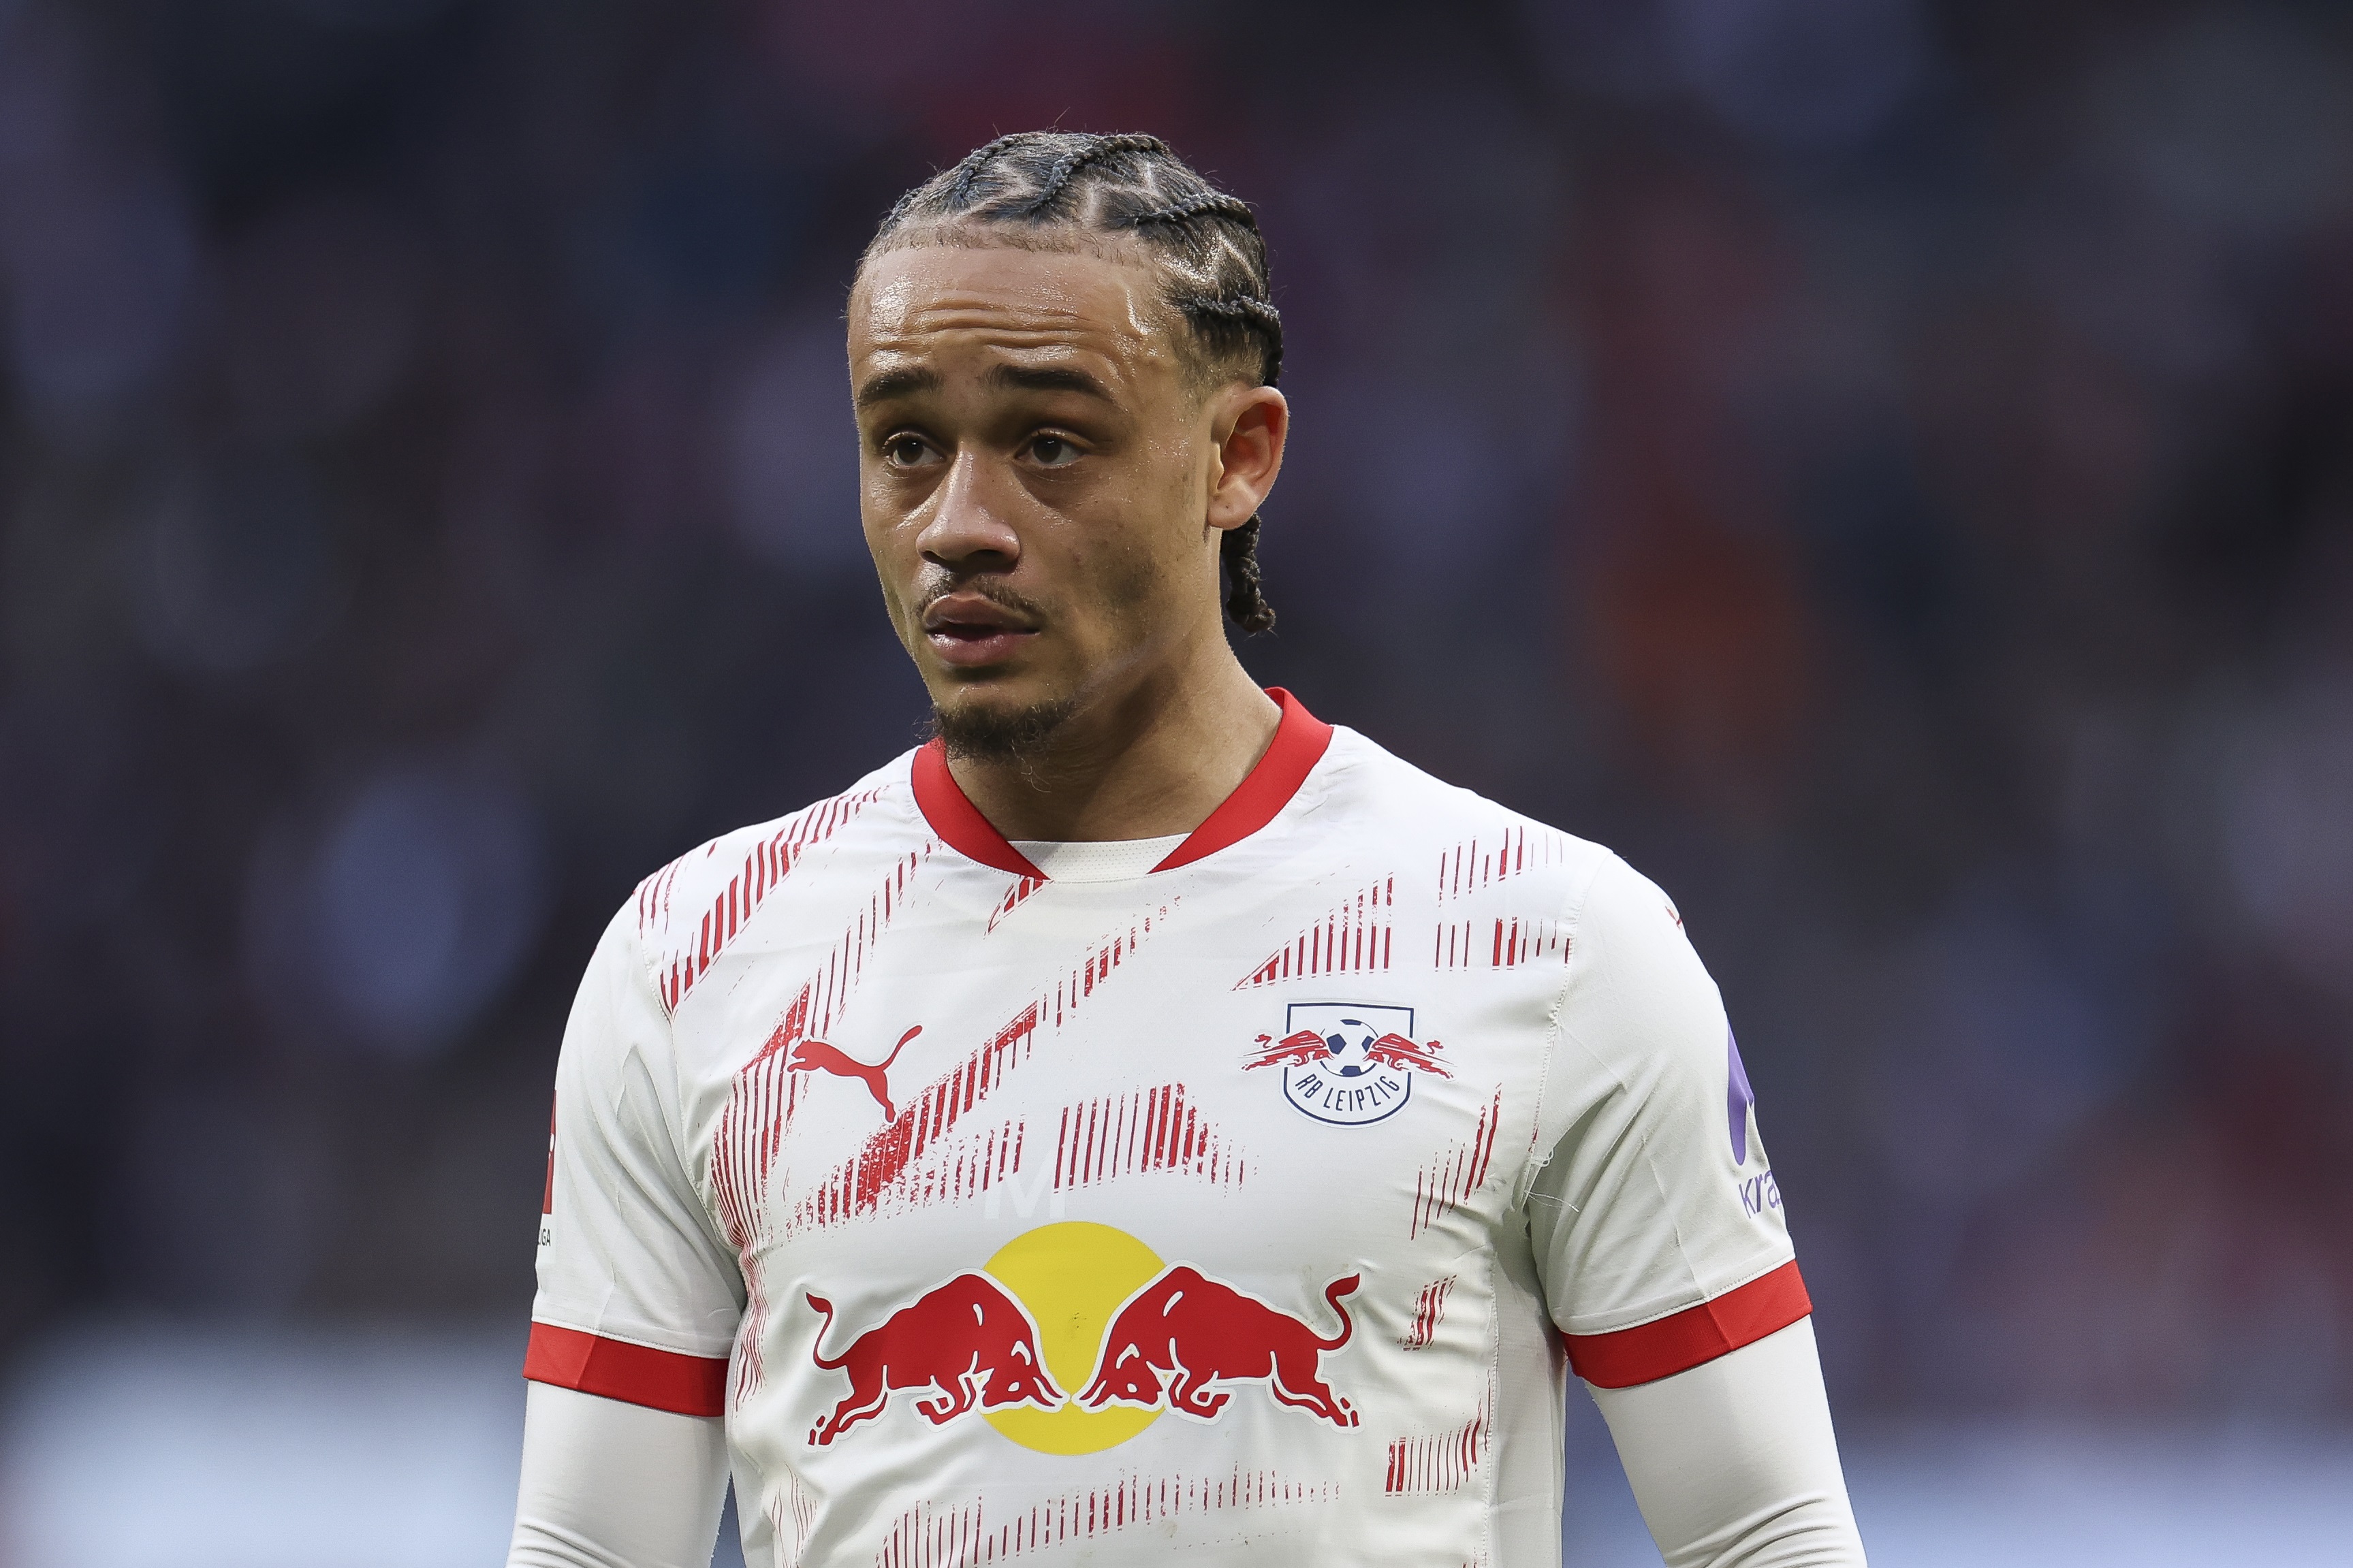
(1886, 469)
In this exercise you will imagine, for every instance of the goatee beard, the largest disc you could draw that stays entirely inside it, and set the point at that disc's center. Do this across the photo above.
(984, 734)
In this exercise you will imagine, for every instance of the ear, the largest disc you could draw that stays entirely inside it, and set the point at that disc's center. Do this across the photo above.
(1248, 426)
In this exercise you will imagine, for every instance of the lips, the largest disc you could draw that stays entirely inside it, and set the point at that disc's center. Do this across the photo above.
(971, 631)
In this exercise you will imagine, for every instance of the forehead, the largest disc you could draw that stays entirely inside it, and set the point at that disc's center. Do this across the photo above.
(923, 302)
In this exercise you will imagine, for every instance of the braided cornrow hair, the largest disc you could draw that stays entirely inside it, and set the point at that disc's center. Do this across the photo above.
(1205, 240)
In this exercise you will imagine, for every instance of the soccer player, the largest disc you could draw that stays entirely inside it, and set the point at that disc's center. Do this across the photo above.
(1147, 1122)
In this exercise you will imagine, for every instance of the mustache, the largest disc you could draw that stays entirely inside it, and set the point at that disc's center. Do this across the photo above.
(935, 586)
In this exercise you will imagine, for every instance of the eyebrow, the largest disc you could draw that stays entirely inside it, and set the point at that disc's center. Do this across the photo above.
(1028, 379)
(905, 383)
(893, 384)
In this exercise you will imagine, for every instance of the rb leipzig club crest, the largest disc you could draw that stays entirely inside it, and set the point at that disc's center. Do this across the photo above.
(1347, 1063)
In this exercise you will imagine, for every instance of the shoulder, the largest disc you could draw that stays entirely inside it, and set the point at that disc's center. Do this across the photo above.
(1471, 842)
(1496, 863)
(682, 915)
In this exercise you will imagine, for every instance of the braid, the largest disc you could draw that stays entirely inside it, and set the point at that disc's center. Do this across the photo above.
(974, 161)
(1051, 188)
(1205, 241)
(1237, 553)
(1207, 203)
(1254, 315)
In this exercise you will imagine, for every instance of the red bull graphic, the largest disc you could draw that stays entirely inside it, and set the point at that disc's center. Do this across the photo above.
(1307, 1046)
(1083, 1306)
(966, 1341)
(1201, 1332)
(1347, 1063)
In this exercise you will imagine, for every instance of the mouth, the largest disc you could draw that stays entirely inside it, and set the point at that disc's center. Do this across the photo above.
(971, 631)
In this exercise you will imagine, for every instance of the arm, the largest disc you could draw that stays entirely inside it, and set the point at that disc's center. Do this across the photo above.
(1733, 1462)
(624, 1449)
(608, 1484)
(1666, 1260)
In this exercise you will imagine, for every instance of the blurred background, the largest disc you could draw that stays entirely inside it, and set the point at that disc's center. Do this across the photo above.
(1885, 468)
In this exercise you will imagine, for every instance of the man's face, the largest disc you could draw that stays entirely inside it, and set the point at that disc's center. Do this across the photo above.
(1035, 470)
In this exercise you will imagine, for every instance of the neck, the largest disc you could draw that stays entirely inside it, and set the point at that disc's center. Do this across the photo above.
(1152, 759)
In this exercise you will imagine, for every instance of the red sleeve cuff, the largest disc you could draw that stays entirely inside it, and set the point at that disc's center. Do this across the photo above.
(1692, 1337)
(639, 1375)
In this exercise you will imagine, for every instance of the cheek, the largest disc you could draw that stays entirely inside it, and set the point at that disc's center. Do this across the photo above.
(890, 543)
(1151, 537)
(884, 513)
(1131, 582)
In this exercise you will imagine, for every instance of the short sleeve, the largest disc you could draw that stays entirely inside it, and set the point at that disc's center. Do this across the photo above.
(638, 1295)
(1656, 1220)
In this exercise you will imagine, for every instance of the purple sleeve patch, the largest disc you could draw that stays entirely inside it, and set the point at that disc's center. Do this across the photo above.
(1738, 1099)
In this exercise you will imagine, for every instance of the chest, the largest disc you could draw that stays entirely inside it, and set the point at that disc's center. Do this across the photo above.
(1269, 1077)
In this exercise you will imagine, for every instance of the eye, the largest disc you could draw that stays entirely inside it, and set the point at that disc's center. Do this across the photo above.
(1052, 451)
(905, 451)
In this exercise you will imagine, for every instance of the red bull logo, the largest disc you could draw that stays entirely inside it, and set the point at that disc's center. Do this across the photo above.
(1198, 1333)
(1347, 1063)
(1086, 1306)
(967, 1342)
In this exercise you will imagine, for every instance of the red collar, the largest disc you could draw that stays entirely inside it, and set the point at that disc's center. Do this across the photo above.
(1298, 745)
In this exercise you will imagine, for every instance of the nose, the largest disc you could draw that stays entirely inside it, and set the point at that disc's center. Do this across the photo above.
(967, 533)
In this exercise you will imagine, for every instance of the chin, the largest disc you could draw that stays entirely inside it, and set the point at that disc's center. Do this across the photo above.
(998, 726)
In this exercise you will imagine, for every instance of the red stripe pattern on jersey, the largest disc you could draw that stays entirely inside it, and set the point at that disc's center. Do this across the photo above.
(1428, 1311)
(1478, 863)
(1355, 937)
(1504, 944)
(1692, 1337)
(1447, 1181)
(638, 1374)
(766, 1091)
(792, 1514)
(1015, 897)
(926, 1537)
(859, 1186)
(1497, 942)
(1150, 1130)
(767, 863)
(1440, 1462)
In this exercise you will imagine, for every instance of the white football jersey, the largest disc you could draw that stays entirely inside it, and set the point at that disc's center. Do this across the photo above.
(1245, 1198)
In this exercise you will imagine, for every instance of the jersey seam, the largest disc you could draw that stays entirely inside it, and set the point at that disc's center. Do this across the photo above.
(1700, 1293)
(1555, 1029)
(1650, 1168)
(1705, 1297)
(1493, 1468)
(675, 1111)
(642, 1345)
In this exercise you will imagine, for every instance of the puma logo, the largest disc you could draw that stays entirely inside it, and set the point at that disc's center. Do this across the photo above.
(815, 1056)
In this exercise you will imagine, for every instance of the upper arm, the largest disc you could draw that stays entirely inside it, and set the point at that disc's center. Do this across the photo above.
(612, 1484)
(1735, 1463)
(1656, 1222)
(638, 1295)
